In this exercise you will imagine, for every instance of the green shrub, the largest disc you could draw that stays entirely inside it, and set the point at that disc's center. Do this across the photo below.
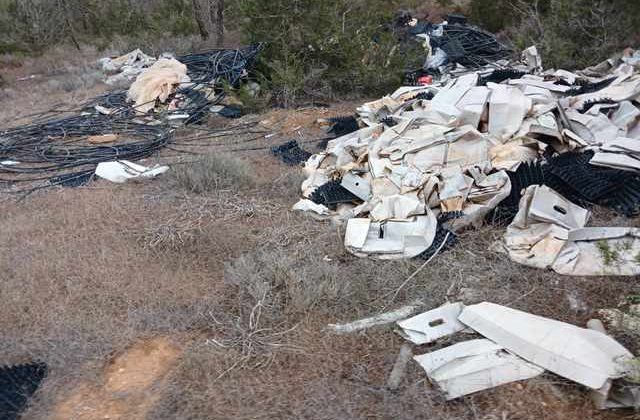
(326, 48)
(36, 24)
(576, 33)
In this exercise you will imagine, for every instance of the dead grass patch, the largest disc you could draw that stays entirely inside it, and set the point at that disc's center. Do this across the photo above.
(213, 172)
(78, 285)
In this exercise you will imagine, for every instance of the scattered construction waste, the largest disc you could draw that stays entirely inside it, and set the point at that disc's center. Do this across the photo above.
(291, 153)
(123, 171)
(473, 366)
(122, 125)
(550, 232)
(449, 47)
(17, 385)
(508, 352)
(433, 325)
(514, 346)
(581, 355)
(421, 164)
(126, 68)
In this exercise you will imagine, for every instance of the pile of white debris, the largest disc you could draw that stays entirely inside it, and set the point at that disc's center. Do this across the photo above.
(451, 151)
(515, 346)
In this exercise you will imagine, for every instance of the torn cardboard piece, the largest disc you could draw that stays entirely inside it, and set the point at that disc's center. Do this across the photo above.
(549, 232)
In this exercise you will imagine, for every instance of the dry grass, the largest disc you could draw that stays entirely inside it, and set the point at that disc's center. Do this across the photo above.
(213, 172)
(60, 79)
(80, 283)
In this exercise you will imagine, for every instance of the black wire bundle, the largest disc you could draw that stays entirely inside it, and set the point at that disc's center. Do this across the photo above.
(55, 150)
(226, 66)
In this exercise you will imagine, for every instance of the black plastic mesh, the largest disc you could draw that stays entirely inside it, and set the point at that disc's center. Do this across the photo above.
(590, 87)
(500, 75)
(343, 125)
(17, 385)
(291, 153)
(573, 177)
(425, 96)
(471, 46)
(443, 235)
(389, 122)
(331, 194)
(590, 104)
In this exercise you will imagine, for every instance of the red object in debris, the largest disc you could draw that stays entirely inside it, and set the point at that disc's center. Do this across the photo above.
(425, 80)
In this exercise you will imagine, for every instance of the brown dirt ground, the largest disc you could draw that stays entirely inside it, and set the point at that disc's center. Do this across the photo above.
(128, 385)
(133, 331)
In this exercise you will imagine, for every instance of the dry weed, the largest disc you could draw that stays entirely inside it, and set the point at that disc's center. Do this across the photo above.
(213, 172)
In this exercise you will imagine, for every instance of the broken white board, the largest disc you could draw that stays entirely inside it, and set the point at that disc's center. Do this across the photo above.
(433, 325)
(616, 160)
(587, 357)
(357, 185)
(391, 239)
(310, 206)
(623, 145)
(473, 105)
(550, 207)
(474, 366)
(122, 171)
(507, 109)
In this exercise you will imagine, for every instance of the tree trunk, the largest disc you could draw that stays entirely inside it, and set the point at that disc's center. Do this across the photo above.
(216, 8)
(201, 19)
(68, 16)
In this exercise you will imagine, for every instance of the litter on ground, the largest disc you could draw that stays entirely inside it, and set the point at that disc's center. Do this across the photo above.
(129, 124)
(487, 141)
(126, 68)
(123, 171)
(517, 346)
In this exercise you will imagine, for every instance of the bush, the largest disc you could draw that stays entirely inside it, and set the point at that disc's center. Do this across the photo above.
(213, 172)
(576, 34)
(325, 48)
(492, 15)
(35, 24)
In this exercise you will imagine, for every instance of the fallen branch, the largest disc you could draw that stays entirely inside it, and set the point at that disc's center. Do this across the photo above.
(400, 367)
(374, 321)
